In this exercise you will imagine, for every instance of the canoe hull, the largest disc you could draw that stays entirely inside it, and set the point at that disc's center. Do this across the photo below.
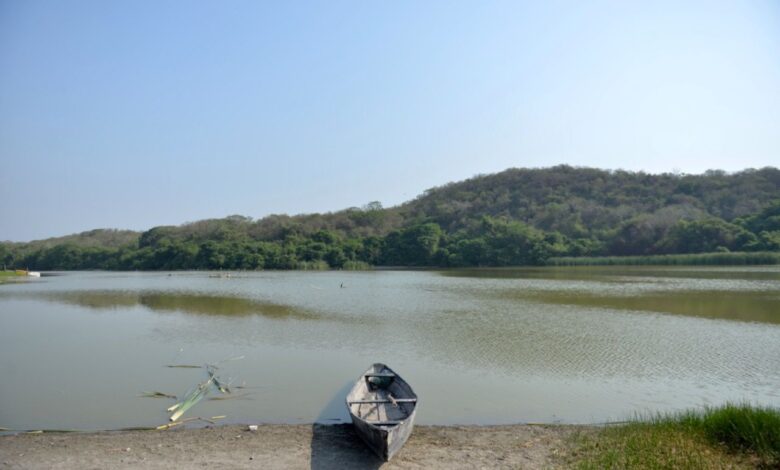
(384, 441)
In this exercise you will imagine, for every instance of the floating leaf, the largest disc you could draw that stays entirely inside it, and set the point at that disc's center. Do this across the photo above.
(156, 394)
(243, 396)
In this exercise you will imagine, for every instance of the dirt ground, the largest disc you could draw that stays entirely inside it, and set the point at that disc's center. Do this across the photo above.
(289, 446)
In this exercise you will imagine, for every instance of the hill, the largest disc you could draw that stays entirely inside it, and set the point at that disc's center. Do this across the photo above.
(583, 201)
(515, 217)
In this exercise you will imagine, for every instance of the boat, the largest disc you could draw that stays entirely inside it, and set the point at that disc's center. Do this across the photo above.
(382, 407)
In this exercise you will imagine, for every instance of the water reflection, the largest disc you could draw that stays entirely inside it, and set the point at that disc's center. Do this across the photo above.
(199, 304)
(756, 306)
(619, 273)
(734, 293)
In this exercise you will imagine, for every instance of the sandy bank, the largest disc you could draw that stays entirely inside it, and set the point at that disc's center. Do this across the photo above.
(290, 446)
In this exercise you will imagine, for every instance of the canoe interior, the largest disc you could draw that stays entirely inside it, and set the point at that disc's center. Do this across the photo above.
(375, 404)
(382, 406)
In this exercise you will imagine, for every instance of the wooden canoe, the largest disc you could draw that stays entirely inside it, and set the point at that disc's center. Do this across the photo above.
(382, 407)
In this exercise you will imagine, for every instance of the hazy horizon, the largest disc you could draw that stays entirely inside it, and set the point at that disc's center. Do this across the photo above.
(134, 115)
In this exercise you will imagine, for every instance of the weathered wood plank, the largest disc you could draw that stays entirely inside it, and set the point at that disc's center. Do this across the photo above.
(397, 400)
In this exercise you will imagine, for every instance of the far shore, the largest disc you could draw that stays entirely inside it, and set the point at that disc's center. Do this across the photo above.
(292, 447)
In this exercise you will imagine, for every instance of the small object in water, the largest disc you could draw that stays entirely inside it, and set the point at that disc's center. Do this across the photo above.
(382, 407)
(192, 398)
(157, 394)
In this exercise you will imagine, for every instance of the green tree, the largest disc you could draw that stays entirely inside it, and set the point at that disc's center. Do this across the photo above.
(700, 236)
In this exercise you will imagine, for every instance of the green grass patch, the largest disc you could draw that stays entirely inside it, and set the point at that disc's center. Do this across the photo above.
(7, 273)
(705, 259)
(741, 428)
(314, 265)
(731, 436)
(356, 266)
(7, 276)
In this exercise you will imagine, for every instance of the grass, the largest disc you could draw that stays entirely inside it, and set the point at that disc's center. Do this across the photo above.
(6, 276)
(356, 266)
(315, 265)
(731, 436)
(712, 259)
(9, 274)
(321, 265)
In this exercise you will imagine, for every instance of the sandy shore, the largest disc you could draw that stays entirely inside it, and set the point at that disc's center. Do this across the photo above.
(290, 446)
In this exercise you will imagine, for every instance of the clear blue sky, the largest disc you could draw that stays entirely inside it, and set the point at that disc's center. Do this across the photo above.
(141, 113)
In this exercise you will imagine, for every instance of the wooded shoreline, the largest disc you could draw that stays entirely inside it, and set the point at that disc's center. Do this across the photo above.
(519, 217)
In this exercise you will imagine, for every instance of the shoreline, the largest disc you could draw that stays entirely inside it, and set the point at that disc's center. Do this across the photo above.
(314, 446)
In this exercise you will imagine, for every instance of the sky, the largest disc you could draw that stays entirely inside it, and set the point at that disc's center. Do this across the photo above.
(143, 113)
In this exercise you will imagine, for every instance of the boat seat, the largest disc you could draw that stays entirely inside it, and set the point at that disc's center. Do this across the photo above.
(384, 423)
(397, 400)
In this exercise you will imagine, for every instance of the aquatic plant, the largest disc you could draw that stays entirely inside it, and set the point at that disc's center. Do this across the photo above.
(719, 258)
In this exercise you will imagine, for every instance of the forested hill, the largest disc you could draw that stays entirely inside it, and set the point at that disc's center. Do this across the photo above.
(583, 201)
(516, 217)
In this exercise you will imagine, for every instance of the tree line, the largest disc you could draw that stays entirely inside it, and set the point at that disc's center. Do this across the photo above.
(517, 217)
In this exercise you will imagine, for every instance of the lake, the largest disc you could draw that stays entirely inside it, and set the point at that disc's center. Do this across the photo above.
(480, 346)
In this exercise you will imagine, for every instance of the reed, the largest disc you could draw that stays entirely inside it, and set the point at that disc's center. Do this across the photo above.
(740, 427)
(356, 266)
(730, 436)
(315, 265)
(707, 259)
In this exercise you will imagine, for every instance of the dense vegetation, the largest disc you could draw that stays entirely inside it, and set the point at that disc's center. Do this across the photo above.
(516, 217)
(731, 436)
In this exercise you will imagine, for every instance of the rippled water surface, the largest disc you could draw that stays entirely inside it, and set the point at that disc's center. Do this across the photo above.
(574, 345)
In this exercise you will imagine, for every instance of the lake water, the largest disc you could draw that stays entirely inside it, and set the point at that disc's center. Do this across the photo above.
(553, 345)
